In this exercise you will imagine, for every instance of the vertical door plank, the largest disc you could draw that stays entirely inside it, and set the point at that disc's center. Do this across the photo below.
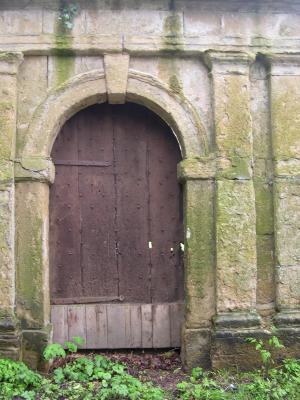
(147, 326)
(60, 324)
(116, 326)
(176, 320)
(65, 269)
(135, 341)
(132, 202)
(76, 321)
(161, 325)
(96, 326)
(165, 217)
(97, 202)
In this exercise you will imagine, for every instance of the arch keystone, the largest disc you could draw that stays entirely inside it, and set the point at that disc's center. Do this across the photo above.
(116, 75)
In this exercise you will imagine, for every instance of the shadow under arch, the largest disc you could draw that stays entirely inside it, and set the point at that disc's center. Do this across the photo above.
(90, 88)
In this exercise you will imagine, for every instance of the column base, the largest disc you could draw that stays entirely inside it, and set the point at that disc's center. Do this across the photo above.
(10, 338)
(229, 345)
(287, 323)
(33, 344)
(195, 348)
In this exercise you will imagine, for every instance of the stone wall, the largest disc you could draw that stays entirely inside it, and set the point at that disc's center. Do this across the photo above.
(225, 76)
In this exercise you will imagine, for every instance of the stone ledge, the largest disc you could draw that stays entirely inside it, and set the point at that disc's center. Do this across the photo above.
(283, 64)
(287, 318)
(196, 168)
(215, 167)
(237, 320)
(34, 169)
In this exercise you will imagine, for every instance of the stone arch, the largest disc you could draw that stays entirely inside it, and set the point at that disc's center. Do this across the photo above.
(34, 171)
(89, 88)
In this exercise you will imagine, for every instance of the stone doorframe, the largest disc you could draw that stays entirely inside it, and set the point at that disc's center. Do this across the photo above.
(34, 171)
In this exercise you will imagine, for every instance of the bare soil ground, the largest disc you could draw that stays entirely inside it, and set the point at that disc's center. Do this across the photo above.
(163, 368)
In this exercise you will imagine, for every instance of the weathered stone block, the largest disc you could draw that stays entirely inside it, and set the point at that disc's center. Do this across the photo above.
(52, 23)
(195, 350)
(7, 272)
(232, 115)
(63, 68)
(265, 273)
(288, 287)
(33, 344)
(116, 75)
(264, 207)
(287, 168)
(285, 114)
(287, 221)
(32, 79)
(229, 347)
(234, 168)
(34, 169)
(205, 23)
(199, 260)
(32, 254)
(260, 111)
(289, 25)
(21, 22)
(236, 246)
(133, 21)
(196, 168)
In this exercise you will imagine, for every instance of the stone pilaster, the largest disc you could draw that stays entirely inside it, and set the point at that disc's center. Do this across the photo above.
(9, 337)
(285, 115)
(197, 176)
(236, 266)
(32, 176)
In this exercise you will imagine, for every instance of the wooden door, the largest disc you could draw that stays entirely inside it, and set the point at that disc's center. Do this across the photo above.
(116, 261)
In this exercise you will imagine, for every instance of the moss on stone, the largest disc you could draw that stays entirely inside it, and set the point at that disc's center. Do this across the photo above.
(233, 118)
(6, 129)
(285, 117)
(172, 37)
(264, 208)
(63, 52)
(236, 245)
(235, 168)
(172, 25)
(30, 253)
(199, 251)
(175, 84)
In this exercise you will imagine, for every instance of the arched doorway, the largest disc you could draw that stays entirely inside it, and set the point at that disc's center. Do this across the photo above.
(116, 265)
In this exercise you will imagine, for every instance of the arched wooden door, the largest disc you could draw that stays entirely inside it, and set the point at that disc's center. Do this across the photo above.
(116, 260)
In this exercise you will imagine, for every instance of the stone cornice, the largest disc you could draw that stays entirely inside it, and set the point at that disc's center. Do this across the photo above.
(228, 62)
(281, 64)
(98, 44)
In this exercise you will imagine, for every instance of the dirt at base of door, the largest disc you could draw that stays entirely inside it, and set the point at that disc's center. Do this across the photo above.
(161, 367)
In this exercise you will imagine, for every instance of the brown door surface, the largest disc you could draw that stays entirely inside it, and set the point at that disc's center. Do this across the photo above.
(116, 265)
